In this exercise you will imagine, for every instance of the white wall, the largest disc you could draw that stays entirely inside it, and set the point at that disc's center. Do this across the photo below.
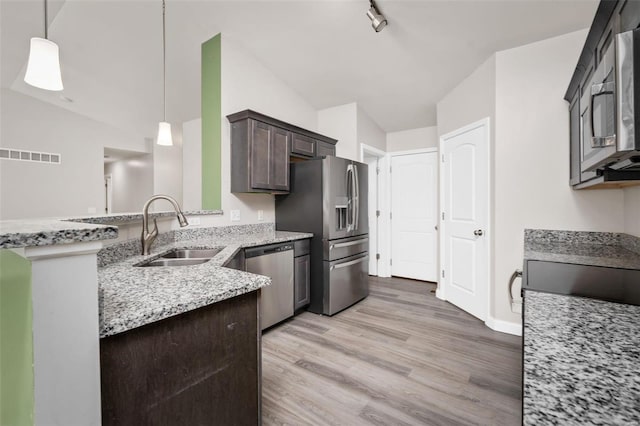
(632, 211)
(532, 157)
(29, 190)
(369, 133)
(341, 123)
(247, 84)
(132, 181)
(167, 168)
(471, 100)
(407, 140)
(192, 165)
(522, 90)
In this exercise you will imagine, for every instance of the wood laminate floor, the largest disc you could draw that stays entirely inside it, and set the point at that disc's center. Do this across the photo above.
(399, 357)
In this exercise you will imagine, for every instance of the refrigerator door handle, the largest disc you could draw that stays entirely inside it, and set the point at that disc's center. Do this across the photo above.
(350, 263)
(349, 244)
(356, 191)
(350, 195)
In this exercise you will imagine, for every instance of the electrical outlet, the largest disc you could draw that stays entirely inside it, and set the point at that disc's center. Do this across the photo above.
(194, 221)
(235, 215)
(260, 214)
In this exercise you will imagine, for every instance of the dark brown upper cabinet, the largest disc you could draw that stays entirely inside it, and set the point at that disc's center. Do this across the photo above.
(263, 147)
(303, 146)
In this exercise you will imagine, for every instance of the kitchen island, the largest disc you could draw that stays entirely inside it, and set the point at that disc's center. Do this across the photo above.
(581, 345)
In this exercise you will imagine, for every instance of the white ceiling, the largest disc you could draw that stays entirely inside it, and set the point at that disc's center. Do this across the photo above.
(325, 50)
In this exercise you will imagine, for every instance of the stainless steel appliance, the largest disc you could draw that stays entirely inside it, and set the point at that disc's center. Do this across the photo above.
(328, 197)
(276, 262)
(610, 129)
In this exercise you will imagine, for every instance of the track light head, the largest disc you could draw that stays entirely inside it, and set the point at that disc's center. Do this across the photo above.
(378, 21)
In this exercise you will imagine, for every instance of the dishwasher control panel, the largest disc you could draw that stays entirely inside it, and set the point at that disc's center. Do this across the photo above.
(264, 250)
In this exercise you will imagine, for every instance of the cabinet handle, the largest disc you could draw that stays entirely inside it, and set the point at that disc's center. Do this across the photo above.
(516, 274)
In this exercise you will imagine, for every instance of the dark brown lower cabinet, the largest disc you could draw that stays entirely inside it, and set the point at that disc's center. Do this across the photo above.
(198, 368)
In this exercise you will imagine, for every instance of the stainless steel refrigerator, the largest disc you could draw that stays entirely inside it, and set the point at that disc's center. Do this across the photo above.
(328, 197)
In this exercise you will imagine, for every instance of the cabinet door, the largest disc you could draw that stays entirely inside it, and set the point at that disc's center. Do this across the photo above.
(279, 159)
(574, 140)
(302, 145)
(260, 153)
(302, 277)
(188, 369)
(323, 149)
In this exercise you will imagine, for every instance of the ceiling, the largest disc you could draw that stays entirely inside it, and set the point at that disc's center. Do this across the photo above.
(324, 50)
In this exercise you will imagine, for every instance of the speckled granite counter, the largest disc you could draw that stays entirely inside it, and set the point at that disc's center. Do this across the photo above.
(132, 296)
(45, 232)
(137, 216)
(581, 361)
(583, 248)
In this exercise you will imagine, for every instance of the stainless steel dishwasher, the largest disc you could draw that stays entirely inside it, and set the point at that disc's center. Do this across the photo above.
(276, 262)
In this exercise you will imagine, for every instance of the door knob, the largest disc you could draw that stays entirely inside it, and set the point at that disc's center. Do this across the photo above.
(478, 232)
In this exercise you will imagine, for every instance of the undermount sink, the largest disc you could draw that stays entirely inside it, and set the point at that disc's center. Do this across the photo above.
(184, 257)
(174, 262)
(192, 253)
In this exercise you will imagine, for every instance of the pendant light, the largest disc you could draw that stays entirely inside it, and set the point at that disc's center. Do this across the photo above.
(164, 128)
(43, 67)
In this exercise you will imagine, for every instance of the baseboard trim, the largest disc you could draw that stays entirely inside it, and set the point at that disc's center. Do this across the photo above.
(439, 293)
(508, 327)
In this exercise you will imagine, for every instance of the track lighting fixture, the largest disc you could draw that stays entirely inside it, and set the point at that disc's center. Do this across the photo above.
(378, 21)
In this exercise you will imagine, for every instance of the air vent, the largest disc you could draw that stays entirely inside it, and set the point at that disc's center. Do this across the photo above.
(38, 157)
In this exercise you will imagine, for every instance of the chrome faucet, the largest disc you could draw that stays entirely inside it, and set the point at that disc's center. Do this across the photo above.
(149, 237)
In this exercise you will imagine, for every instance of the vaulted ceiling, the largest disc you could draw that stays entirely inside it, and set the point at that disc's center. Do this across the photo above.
(324, 50)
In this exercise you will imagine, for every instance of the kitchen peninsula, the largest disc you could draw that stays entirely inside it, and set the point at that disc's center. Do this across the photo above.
(133, 302)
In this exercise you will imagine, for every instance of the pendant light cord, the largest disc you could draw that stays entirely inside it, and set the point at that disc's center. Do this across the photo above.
(164, 63)
(46, 23)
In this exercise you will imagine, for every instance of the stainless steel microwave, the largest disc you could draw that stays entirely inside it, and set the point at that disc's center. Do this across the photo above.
(610, 108)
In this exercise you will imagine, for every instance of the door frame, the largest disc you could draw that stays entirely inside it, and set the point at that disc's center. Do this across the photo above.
(441, 291)
(410, 152)
(383, 229)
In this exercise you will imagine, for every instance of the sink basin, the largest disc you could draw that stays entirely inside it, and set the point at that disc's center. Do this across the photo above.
(174, 262)
(192, 253)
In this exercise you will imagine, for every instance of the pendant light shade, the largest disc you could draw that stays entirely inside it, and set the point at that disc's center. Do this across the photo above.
(164, 128)
(164, 134)
(43, 67)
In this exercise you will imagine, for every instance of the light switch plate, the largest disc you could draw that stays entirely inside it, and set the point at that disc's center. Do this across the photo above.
(260, 214)
(194, 221)
(235, 215)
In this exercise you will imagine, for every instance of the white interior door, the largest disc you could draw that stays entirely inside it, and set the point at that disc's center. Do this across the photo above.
(414, 209)
(465, 209)
(372, 162)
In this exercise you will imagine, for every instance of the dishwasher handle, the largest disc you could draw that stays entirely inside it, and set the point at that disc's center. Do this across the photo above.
(266, 250)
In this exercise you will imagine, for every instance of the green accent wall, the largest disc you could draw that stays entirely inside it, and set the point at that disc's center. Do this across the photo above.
(211, 124)
(16, 341)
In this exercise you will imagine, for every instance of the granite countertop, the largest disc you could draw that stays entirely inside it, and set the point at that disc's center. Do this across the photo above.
(47, 232)
(137, 216)
(51, 231)
(131, 296)
(581, 361)
(611, 250)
